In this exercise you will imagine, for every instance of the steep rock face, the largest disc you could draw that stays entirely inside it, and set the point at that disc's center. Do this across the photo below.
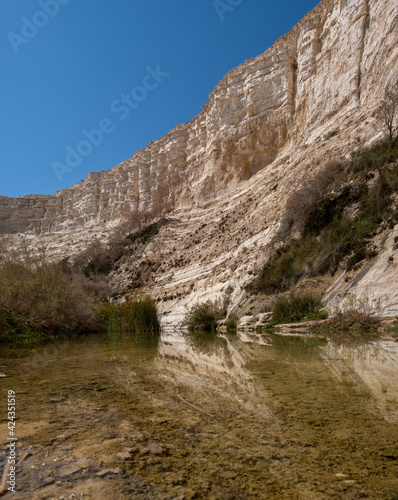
(375, 287)
(333, 62)
(265, 127)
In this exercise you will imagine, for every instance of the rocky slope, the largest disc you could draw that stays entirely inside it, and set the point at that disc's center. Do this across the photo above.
(224, 177)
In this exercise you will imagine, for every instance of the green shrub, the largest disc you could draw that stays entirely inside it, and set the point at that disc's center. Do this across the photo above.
(231, 324)
(328, 234)
(297, 308)
(16, 333)
(373, 158)
(205, 316)
(135, 316)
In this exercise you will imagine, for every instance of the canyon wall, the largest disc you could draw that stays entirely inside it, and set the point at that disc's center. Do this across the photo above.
(225, 176)
(334, 62)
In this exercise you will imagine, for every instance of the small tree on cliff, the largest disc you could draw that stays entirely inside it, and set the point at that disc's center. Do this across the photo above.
(388, 113)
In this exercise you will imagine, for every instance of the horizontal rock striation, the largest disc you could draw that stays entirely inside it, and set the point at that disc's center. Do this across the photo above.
(333, 62)
(225, 176)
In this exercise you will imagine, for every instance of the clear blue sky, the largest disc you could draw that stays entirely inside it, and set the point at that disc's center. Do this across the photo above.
(66, 71)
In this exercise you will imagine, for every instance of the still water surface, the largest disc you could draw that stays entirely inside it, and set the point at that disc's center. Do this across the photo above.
(225, 417)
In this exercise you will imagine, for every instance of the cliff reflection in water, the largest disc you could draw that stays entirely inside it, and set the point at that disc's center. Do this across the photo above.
(245, 416)
(374, 365)
(237, 366)
(211, 364)
(252, 369)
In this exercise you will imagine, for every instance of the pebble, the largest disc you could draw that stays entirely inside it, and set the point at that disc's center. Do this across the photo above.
(60, 438)
(106, 472)
(138, 437)
(155, 449)
(123, 455)
(158, 420)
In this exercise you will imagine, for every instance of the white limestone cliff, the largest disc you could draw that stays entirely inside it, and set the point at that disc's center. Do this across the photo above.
(263, 130)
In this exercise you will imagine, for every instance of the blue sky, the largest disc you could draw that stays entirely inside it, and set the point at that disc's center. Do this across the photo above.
(129, 69)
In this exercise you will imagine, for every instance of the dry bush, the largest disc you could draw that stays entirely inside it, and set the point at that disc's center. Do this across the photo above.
(355, 314)
(99, 257)
(94, 286)
(36, 295)
(306, 199)
(353, 320)
(387, 113)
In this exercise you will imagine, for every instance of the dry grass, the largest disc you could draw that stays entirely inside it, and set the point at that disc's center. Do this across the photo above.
(357, 315)
(37, 297)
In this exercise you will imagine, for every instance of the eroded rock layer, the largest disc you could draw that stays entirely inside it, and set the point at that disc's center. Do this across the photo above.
(270, 123)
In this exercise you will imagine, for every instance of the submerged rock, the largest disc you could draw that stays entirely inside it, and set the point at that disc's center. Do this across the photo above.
(123, 455)
(107, 472)
(138, 437)
(155, 449)
(69, 469)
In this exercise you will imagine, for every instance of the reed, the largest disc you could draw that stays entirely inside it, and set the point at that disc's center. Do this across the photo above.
(137, 315)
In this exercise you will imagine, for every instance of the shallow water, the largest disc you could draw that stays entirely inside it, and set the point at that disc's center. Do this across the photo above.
(232, 417)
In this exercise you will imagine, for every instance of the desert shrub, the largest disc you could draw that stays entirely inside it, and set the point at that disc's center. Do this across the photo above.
(99, 258)
(373, 158)
(231, 323)
(387, 113)
(36, 297)
(306, 199)
(95, 286)
(135, 316)
(352, 319)
(297, 308)
(376, 200)
(357, 315)
(329, 236)
(334, 242)
(312, 255)
(144, 234)
(204, 316)
(331, 208)
(281, 271)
